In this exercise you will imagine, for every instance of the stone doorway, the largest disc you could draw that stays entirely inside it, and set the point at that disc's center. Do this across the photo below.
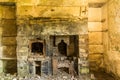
(38, 67)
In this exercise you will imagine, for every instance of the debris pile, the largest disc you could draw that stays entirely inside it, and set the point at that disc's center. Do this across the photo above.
(59, 76)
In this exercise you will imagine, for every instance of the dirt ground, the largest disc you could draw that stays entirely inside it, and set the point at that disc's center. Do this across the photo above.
(103, 76)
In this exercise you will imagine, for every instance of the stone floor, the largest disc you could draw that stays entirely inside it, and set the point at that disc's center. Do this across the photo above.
(59, 76)
(100, 75)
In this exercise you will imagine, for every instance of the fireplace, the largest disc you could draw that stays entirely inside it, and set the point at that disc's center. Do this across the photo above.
(65, 53)
(51, 44)
(37, 47)
(65, 45)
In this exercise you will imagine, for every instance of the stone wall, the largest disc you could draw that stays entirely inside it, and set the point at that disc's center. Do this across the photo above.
(112, 58)
(95, 29)
(31, 19)
(43, 28)
(8, 38)
(42, 18)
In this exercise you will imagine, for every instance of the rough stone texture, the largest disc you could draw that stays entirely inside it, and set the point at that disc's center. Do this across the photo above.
(111, 56)
(1, 30)
(36, 20)
(52, 11)
(93, 39)
(96, 48)
(10, 66)
(8, 41)
(94, 26)
(43, 29)
(1, 66)
(104, 42)
(8, 38)
(64, 8)
(7, 0)
(97, 1)
(53, 3)
(60, 18)
(9, 28)
(9, 51)
(104, 18)
(7, 12)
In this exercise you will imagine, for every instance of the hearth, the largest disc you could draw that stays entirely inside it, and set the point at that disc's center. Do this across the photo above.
(37, 47)
(51, 44)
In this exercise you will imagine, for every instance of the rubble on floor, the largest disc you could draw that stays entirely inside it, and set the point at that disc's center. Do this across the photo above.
(59, 76)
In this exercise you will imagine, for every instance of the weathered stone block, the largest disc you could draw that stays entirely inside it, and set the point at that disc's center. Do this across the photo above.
(22, 56)
(9, 28)
(1, 66)
(9, 41)
(7, 0)
(26, 10)
(53, 2)
(8, 12)
(1, 30)
(83, 55)
(95, 37)
(84, 70)
(1, 69)
(94, 26)
(1, 50)
(44, 11)
(93, 65)
(83, 36)
(1, 63)
(22, 49)
(9, 51)
(95, 57)
(55, 63)
(22, 41)
(26, 2)
(96, 49)
(82, 41)
(82, 50)
(105, 17)
(94, 14)
(95, 61)
(97, 1)
(10, 66)
(62, 3)
(0, 11)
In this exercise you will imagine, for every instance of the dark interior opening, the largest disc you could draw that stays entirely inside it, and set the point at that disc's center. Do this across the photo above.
(37, 47)
(38, 67)
(62, 48)
(66, 45)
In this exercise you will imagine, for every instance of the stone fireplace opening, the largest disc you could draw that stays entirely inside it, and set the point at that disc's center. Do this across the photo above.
(36, 55)
(58, 43)
(65, 53)
(37, 47)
